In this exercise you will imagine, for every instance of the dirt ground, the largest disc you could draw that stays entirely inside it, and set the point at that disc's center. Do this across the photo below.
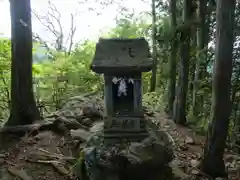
(189, 149)
(46, 156)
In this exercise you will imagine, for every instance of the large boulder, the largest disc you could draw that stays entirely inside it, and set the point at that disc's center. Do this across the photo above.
(78, 112)
(149, 153)
(147, 157)
(136, 160)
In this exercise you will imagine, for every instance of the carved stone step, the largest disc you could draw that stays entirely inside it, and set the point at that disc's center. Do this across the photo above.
(119, 130)
(124, 123)
(125, 135)
(111, 140)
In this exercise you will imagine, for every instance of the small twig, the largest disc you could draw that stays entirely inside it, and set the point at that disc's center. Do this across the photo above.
(60, 168)
(51, 154)
(45, 161)
(55, 155)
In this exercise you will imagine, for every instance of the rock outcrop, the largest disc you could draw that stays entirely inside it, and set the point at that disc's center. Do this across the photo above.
(131, 160)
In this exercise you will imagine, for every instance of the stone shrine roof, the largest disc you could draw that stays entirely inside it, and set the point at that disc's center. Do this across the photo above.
(122, 55)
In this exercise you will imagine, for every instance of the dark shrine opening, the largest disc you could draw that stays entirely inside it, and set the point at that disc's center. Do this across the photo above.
(123, 103)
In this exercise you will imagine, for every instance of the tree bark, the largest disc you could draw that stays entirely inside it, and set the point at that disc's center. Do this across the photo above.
(192, 68)
(154, 53)
(212, 162)
(180, 101)
(235, 101)
(172, 61)
(200, 55)
(23, 106)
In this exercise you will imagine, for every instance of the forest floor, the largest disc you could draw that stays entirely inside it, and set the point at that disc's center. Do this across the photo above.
(52, 156)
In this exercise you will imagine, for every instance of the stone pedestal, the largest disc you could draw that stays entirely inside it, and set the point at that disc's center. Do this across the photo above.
(135, 160)
(124, 129)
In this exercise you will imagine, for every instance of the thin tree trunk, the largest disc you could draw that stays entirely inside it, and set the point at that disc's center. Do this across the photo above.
(172, 61)
(235, 118)
(192, 68)
(200, 55)
(208, 14)
(180, 101)
(154, 52)
(23, 106)
(212, 162)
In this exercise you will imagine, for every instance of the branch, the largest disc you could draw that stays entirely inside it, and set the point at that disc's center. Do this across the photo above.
(47, 21)
(71, 34)
(52, 23)
(195, 22)
(56, 16)
(49, 26)
(37, 37)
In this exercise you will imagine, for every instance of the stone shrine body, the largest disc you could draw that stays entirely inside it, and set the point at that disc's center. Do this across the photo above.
(122, 62)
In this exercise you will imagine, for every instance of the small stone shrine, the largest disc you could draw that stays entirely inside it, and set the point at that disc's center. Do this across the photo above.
(128, 146)
(122, 62)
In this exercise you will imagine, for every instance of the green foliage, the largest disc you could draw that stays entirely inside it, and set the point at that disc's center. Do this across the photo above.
(130, 27)
(153, 101)
(5, 55)
(67, 75)
(64, 76)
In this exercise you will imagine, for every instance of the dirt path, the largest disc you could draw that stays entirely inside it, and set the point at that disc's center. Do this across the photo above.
(46, 156)
(189, 149)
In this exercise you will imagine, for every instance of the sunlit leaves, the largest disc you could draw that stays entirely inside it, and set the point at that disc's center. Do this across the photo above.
(127, 28)
(5, 54)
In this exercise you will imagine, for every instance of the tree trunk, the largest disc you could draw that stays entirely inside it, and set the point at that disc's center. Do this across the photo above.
(235, 86)
(201, 43)
(209, 13)
(212, 162)
(192, 67)
(172, 61)
(180, 101)
(23, 106)
(154, 52)
(235, 103)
